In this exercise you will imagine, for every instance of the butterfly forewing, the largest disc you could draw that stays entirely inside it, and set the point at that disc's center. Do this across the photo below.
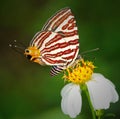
(63, 22)
(58, 40)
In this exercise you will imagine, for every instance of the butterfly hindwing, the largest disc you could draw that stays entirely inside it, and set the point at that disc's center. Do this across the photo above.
(57, 69)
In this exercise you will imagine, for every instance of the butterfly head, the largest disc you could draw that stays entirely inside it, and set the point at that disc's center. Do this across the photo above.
(33, 54)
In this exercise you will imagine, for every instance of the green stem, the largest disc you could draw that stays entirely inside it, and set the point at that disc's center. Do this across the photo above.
(90, 103)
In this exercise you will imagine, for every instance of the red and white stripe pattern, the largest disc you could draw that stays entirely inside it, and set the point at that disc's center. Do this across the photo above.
(58, 41)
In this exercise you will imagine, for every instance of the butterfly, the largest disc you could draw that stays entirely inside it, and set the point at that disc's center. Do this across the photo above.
(57, 43)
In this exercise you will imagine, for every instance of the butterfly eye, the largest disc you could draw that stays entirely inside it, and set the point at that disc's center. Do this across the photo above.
(27, 51)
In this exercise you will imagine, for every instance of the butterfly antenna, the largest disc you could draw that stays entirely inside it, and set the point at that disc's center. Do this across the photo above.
(15, 49)
(19, 49)
(19, 43)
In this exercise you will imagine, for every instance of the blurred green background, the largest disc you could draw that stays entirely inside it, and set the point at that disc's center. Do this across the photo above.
(27, 91)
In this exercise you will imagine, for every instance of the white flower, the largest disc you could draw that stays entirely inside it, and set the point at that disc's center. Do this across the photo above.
(101, 90)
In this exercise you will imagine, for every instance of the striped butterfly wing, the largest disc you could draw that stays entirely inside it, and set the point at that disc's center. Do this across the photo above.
(60, 21)
(58, 41)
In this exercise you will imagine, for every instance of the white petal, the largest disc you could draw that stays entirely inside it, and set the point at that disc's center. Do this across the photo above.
(102, 91)
(71, 100)
(66, 89)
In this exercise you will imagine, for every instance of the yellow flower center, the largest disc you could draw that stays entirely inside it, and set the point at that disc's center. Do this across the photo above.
(80, 73)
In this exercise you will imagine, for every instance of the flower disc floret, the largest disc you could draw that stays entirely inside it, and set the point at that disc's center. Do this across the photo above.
(80, 73)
